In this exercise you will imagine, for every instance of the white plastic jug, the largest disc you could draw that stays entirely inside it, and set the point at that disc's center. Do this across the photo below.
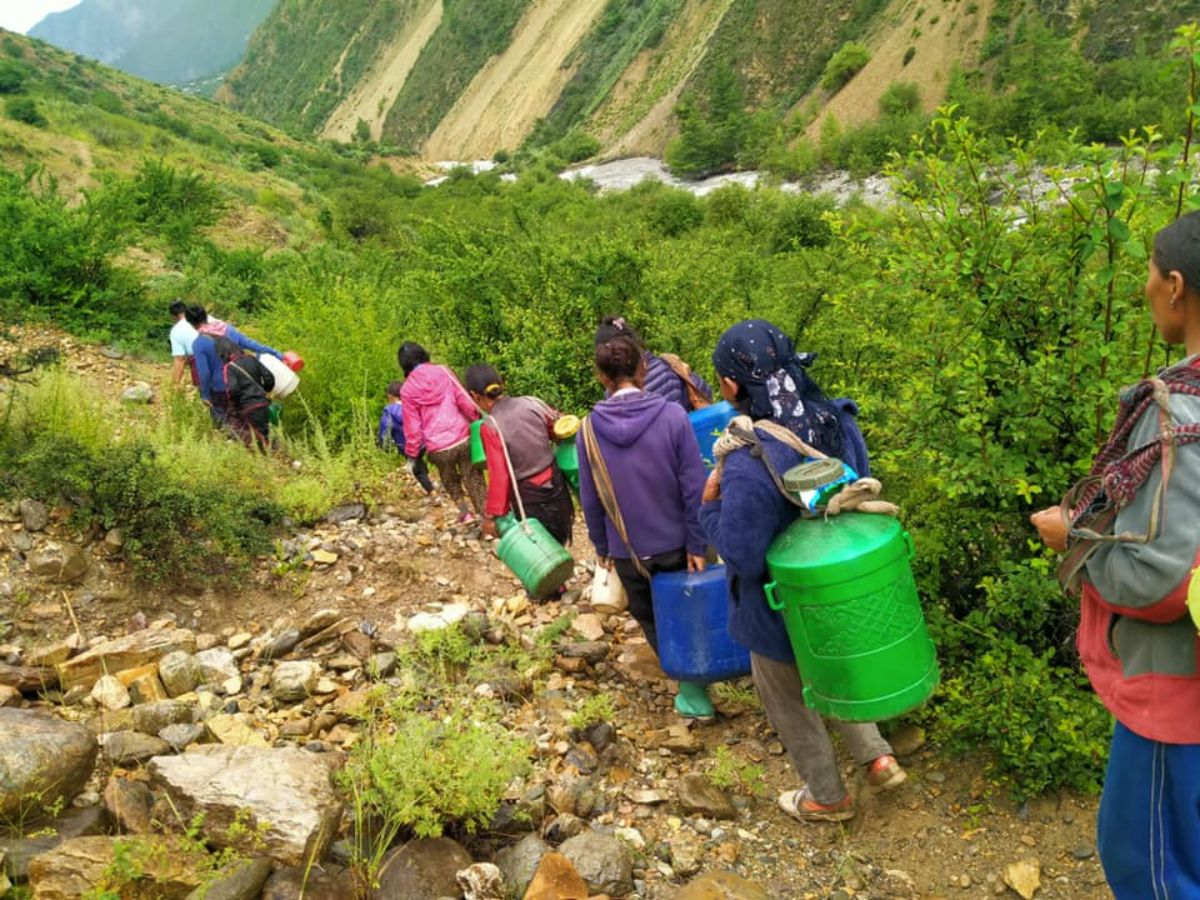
(286, 380)
(608, 594)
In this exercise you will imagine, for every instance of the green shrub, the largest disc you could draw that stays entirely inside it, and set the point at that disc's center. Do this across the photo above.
(1039, 723)
(801, 222)
(674, 213)
(575, 146)
(178, 525)
(12, 76)
(25, 109)
(909, 55)
(847, 62)
(418, 774)
(900, 99)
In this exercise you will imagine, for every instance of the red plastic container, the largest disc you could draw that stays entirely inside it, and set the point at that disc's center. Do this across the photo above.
(293, 361)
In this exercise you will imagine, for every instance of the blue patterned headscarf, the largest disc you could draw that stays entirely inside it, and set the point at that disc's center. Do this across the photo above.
(764, 362)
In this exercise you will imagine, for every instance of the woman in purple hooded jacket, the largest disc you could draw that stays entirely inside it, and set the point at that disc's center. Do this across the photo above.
(653, 461)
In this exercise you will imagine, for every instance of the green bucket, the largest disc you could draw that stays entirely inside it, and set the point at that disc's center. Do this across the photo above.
(478, 457)
(536, 558)
(849, 602)
(567, 455)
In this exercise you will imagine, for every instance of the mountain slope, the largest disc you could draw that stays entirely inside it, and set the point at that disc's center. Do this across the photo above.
(168, 41)
(467, 78)
(509, 94)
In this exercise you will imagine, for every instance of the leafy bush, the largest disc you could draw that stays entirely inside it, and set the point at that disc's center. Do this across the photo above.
(847, 62)
(12, 76)
(57, 259)
(900, 99)
(419, 774)
(575, 146)
(177, 526)
(25, 109)
(1040, 723)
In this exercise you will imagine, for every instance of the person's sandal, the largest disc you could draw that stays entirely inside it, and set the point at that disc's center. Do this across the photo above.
(884, 773)
(802, 806)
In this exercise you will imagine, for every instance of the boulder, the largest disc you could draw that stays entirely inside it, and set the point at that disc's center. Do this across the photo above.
(128, 748)
(179, 673)
(287, 789)
(60, 564)
(602, 861)
(129, 804)
(75, 822)
(85, 866)
(556, 879)
(42, 758)
(588, 626)
(108, 693)
(138, 392)
(330, 883)
(180, 737)
(292, 682)
(698, 797)
(55, 653)
(722, 886)
(240, 880)
(216, 665)
(234, 732)
(519, 862)
(34, 515)
(482, 881)
(424, 869)
(128, 652)
(280, 645)
(148, 718)
(26, 679)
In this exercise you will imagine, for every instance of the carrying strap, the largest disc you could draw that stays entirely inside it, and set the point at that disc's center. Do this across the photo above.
(1088, 510)
(606, 493)
(489, 419)
(695, 397)
(861, 495)
(253, 380)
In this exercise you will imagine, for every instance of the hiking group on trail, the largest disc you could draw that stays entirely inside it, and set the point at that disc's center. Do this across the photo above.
(236, 376)
(662, 492)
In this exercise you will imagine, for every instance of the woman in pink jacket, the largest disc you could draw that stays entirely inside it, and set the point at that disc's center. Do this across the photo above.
(438, 414)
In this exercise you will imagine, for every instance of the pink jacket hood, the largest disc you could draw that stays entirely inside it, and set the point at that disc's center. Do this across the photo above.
(437, 410)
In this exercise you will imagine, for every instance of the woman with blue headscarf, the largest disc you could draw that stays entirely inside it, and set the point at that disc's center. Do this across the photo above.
(742, 512)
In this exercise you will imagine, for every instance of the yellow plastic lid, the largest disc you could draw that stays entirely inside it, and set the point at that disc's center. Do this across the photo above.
(565, 427)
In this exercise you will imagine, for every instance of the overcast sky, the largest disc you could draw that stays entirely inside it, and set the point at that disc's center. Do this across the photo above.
(21, 15)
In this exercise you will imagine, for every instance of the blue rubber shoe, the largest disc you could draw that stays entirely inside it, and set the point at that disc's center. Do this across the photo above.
(692, 701)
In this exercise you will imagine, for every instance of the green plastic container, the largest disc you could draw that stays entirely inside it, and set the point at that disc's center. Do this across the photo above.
(567, 455)
(274, 413)
(849, 602)
(537, 559)
(478, 457)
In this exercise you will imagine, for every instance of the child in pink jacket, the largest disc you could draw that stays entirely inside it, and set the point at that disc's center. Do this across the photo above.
(438, 414)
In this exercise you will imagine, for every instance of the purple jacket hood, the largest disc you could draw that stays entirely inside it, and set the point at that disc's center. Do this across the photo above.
(621, 420)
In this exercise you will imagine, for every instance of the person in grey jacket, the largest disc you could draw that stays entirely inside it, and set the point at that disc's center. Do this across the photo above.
(1131, 532)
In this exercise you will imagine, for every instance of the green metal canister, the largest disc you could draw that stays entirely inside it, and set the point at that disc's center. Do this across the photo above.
(845, 587)
(540, 562)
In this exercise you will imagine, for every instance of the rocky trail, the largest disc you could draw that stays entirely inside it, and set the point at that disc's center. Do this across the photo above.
(147, 711)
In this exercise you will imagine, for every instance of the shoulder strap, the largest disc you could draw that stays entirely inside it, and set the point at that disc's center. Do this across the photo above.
(684, 371)
(604, 490)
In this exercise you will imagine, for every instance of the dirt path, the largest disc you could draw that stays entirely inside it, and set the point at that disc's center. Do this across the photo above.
(372, 97)
(516, 88)
(942, 35)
